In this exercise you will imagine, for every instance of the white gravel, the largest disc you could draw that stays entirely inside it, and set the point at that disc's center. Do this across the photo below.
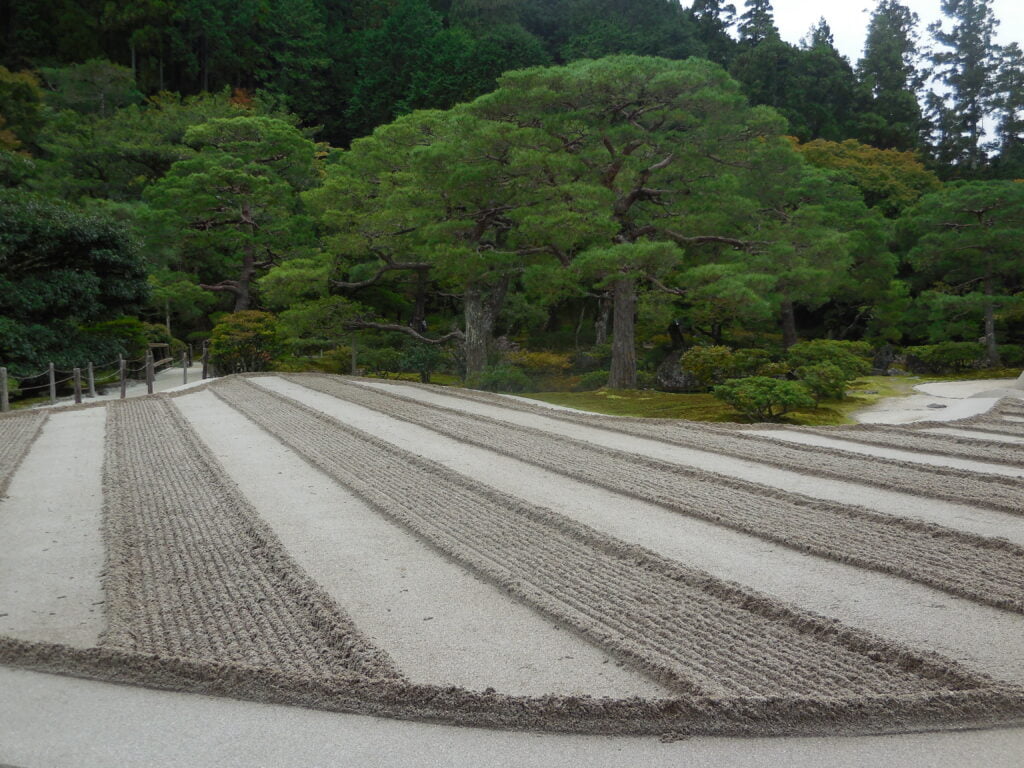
(53, 556)
(984, 638)
(439, 623)
(976, 434)
(953, 515)
(959, 400)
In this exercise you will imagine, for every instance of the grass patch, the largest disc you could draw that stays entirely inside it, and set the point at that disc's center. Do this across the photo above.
(863, 392)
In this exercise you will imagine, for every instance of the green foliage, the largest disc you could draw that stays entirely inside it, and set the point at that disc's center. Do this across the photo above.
(381, 361)
(422, 358)
(502, 378)
(244, 341)
(93, 87)
(541, 363)
(21, 110)
(825, 381)
(60, 269)
(762, 398)
(708, 365)
(130, 334)
(590, 381)
(947, 357)
(851, 358)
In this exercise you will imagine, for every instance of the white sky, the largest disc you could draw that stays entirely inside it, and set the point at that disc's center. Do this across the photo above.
(849, 20)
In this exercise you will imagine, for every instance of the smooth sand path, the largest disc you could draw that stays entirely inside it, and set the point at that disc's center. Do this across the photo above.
(50, 521)
(976, 433)
(437, 621)
(961, 516)
(984, 638)
(57, 722)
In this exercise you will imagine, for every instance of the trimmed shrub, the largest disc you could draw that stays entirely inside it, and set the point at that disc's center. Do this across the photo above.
(763, 398)
(708, 365)
(852, 357)
(503, 378)
(422, 358)
(1012, 355)
(947, 357)
(540, 363)
(590, 381)
(381, 361)
(244, 341)
(824, 380)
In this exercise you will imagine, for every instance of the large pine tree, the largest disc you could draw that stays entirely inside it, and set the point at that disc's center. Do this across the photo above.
(966, 64)
(891, 117)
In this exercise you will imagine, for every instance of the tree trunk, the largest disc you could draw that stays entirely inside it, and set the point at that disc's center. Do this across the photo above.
(481, 311)
(623, 368)
(788, 320)
(604, 310)
(991, 348)
(167, 316)
(418, 321)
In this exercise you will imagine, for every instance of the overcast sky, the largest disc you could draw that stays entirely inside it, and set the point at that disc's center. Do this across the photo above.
(849, 19)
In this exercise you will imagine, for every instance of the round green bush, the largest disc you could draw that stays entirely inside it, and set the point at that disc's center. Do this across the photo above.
(763, 398)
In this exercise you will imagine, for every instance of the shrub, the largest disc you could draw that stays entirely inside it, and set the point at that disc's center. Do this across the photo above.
(1012, 355)
(708, 365)
(540, 363)
(131, 335)
(381, 360)
(763, 398)
(824, 380)
(422, 358)
(244, 341)
(947, 357)
(503, 378)
(852, 357)
(590, 381)
(750, 362)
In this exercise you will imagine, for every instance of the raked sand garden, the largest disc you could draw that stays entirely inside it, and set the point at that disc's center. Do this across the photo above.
(450, 556)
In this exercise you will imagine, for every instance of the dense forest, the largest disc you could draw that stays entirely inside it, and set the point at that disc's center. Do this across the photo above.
(518, 193)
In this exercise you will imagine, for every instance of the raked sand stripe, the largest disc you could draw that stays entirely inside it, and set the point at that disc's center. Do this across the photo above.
(887, 486)
(52, 556)
(985, 638)
(193, 572)
(976, 433)
(17, 431)
(983, 569)
(886, 445)
(439, 623)
(704, 636)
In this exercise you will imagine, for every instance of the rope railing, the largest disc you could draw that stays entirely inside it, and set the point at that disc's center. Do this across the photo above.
(122, 369)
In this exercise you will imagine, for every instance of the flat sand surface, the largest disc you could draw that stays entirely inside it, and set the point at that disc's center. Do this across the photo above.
(50, 529)
(938, 401)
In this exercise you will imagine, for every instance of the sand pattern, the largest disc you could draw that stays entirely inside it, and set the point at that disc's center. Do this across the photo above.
(17, 433)
(1005, 494)
(988, 570)
(193, 572)
(679, 624)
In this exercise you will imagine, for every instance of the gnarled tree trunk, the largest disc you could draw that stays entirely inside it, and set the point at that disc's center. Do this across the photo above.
(787, 317)
(623, 367)
(481, 308)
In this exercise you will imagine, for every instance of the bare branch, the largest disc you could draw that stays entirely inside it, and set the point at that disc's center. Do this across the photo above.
(357, 324)
(389, 266)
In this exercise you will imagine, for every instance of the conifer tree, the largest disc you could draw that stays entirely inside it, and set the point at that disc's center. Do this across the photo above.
(966, 64)
(892, 118)
(757, 23)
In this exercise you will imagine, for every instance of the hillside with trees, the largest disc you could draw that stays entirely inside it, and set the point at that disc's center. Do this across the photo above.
(516, 194)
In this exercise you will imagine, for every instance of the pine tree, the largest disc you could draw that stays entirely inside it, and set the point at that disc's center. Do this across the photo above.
(1009, 140)
(712, 20)
(888, 73)
(967, 68)
(757, 23)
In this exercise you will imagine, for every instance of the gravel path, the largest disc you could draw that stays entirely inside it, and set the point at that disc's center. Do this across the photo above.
(979, 433)
(439, 623)
(985, 638)
(17, 431)
(692, 631)
(706, 442)
(52, 557)
(193, 572)
(987, 570)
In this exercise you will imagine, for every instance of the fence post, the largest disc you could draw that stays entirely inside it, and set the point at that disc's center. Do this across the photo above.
(190, 354)
(77, 374)
(184, 367)
(206, 358)
(122, 369)
(92, 380)
(149, 372)
(53, 386)
(4, 404)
